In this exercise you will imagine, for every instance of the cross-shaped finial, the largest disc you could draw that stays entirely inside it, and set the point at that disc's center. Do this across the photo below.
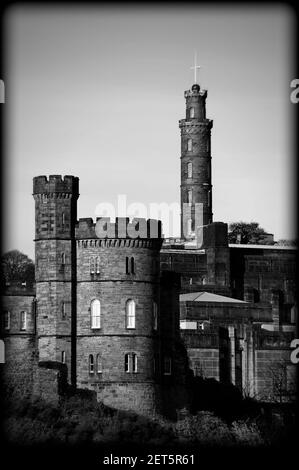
(195, 67)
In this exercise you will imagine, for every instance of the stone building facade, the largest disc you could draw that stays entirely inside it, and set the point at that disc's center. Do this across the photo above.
(121, 311)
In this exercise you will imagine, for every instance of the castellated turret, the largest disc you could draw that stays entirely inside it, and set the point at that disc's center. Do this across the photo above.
(118, 317)
(55, 273)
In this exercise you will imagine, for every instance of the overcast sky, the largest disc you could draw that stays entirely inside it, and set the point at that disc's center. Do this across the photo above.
(97, 92)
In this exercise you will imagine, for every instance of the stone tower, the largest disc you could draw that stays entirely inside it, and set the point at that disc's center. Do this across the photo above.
(196, 178)
(55, 268)
(118, 319)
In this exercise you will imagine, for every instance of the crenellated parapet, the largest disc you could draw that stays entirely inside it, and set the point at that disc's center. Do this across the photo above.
(133, 233)
(56, 184)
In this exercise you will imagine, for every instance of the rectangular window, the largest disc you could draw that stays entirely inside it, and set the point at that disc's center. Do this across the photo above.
(63, 258)
(167, 365)
(23, 321)
(99, 364)
(63, 357)
(188, 325)
(63, 311)
(189, 145)
(6, 320)
(98, 265)
(127, 362)
(134, 363)
(190, 196)
(91, 364)
(189, 169)
(92, 265)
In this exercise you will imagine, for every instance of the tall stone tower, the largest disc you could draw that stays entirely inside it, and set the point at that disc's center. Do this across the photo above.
(55, 271)
(196, 177)
(118, 322)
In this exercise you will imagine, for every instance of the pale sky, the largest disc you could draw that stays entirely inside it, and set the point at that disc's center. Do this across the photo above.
(97, 92)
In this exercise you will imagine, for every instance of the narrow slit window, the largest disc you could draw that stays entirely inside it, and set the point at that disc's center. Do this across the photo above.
(191, 113)
(127, 265)
(63, 357)
(189, 169)
(190, 196)
(91, 364)
(63, 219)
(155, 316)
(99, 364)
(92, 265)
(134, 363)
(63, 311)
(132, 266)
(189, 145)
(127, 362)
(62, 258)
(98, 265)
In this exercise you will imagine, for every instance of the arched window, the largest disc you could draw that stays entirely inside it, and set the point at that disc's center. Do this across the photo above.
(191, 113)
(134, 363)
(190, 196)
(63, 357)
(99, 364)
(95, 311)
(189, 169)
(91, 364)
(6, 320)
(127, 266)
(155, 315)
(130, 314)
(189, 145)
(62, 258)
(23, 320)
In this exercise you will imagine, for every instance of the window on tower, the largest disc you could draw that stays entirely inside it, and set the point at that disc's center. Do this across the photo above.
(130, 314)
(155, 316)
(95, 310)
(190, 196)
(191, 113)
(99, 364)
(91, 364)
(189, 169)
(63, 357)
(189, 145)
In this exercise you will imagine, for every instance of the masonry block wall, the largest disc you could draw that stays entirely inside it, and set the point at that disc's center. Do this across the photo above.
(18, 333)
(55, 217)
(118, 357)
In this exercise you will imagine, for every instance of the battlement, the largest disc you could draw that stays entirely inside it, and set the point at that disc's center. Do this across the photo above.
(122, 228)
(56, 184)
(192, 93)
